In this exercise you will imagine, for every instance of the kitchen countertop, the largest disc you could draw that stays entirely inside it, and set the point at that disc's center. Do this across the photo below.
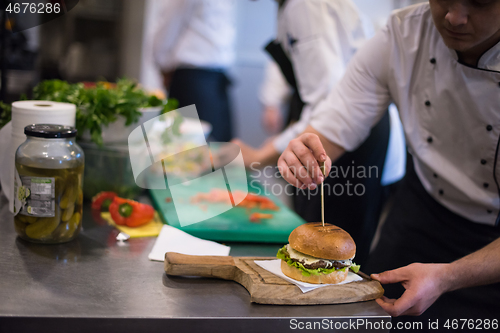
(95, 284)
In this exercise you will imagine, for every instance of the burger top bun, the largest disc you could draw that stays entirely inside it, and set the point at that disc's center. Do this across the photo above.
(328, 242)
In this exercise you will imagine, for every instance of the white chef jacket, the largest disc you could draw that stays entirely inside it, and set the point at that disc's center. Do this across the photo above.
(450, 112)
(320, 37)
(195, 33)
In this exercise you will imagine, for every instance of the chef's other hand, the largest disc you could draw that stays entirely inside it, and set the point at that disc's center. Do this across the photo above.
(424, 283)
(260, 157)
(250, 154)
(167, 79)
(300, 162)
(272, 119)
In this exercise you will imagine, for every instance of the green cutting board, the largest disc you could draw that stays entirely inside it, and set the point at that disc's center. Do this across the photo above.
(232, 225)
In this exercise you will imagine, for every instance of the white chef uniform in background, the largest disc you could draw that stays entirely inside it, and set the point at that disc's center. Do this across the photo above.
(320, 37)
(189, 35)
(193, 47)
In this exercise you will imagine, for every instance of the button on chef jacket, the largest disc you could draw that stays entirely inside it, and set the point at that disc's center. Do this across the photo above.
(450, 112)
(320, 37)
(194, 33)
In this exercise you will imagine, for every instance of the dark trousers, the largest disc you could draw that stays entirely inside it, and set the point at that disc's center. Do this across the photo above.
(208, 90)
(419, 229)
(344, 206)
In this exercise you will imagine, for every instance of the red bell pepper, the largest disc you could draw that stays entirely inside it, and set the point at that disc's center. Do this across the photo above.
(130, 213)
(102, 200)
(100, 203)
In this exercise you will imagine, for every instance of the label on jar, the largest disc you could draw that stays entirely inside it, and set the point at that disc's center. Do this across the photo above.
(34, 196)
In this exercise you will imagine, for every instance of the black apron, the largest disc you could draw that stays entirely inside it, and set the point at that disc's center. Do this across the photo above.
(357, 214)
(208, 90)
(419, 229)
(296, 105)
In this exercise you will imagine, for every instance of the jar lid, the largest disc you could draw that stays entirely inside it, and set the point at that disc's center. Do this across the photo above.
(50, 131)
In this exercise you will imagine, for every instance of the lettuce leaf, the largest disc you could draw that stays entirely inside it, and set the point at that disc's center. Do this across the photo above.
(355, 268)
(283, 255)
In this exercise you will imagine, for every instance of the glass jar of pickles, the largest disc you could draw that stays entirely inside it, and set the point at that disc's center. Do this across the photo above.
(48, 185)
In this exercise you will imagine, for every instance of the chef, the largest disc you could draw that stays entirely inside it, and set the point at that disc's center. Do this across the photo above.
(315, 41)
(193, 47)
(439, 62)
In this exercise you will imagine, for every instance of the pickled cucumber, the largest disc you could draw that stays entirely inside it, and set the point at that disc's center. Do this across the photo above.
(68, 207)
(26, 218)
(30, 219)
(19, 225)
(21, 218)
(67, 213)
(69, 196)
(67, 230)
(79, 200)
(60, 187)
(43, 227)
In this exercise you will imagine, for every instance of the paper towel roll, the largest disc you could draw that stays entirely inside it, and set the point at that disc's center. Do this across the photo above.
(25, 113)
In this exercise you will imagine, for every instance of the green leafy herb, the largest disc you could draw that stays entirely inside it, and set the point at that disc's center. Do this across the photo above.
(5, 114)
(174, 129)
(101, 103)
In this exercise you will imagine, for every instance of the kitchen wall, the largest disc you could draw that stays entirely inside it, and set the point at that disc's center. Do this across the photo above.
(132, 37)
(256, 22)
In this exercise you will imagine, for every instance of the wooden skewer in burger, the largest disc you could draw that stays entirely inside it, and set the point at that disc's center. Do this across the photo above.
(318, 252)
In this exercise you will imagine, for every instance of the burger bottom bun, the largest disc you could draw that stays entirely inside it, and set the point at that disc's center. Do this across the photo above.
(296, 274)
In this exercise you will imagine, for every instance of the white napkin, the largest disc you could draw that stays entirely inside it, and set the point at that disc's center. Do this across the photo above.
(174, 240)
(274, 266)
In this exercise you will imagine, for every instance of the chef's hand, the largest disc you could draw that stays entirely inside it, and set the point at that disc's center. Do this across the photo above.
(272, 119)
(167, 79)
(250, 154)
(300, 162)
(260, 157)
(424, 283)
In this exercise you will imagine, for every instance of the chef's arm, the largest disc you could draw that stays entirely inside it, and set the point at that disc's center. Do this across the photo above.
(342, 120)
(298, 163)
(270, 151)
(478, 268)
(425, 283)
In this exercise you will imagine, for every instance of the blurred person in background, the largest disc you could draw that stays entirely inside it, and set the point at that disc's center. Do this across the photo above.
(193, 47)
(315, 42)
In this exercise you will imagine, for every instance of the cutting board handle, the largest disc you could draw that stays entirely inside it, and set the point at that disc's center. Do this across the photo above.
(221, 267)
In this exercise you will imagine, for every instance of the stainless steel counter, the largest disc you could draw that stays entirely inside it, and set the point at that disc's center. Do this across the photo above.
(93, 284)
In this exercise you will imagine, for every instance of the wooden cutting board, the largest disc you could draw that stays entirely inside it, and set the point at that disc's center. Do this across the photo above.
(265, 287)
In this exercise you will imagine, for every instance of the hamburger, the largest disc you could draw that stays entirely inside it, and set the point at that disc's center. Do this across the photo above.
(317, 254)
